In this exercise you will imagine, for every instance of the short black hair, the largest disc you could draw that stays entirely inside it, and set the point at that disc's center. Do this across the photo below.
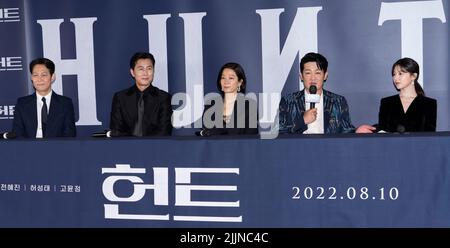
(43, 61)
(237, 68)
(320, 60)
(141, 55)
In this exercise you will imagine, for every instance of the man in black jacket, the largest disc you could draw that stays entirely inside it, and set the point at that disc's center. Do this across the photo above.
(141, 110)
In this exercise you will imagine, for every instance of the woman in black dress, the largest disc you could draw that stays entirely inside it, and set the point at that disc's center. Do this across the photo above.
(230, 112)
(410, 110)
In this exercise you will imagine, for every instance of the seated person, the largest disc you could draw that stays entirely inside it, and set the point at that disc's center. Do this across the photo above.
(44, 113)
(330, 115)
(231, 113)
(410, 110)
(142, 109)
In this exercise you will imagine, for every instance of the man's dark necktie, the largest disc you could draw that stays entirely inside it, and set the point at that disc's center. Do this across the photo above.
(44, 116)
(140, 107)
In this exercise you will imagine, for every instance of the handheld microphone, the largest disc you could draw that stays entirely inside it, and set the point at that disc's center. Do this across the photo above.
(8, 135)
(313, 91)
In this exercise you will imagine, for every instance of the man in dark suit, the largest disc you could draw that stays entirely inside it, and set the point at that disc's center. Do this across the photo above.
(142, 109)
(44, 113)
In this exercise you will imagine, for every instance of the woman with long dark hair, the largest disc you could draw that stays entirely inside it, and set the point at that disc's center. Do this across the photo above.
(410, 110)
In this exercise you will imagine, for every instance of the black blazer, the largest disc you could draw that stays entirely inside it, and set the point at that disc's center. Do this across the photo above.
(420, 116)
(242, 121)
(157, 112)
(60, 120)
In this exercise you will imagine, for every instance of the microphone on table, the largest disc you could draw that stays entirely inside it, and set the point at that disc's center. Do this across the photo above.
(401, 128)
(377, 128)
(106, 134)
(8, 135)
(203, 133)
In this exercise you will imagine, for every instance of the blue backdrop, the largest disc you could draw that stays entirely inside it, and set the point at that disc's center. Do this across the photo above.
(92, 41)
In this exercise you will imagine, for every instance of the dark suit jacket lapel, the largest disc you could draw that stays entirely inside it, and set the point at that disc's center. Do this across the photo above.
(54, 109)
(31, 114)
(131, 105)
(327, 105)
(301, 101)
(151, 104)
